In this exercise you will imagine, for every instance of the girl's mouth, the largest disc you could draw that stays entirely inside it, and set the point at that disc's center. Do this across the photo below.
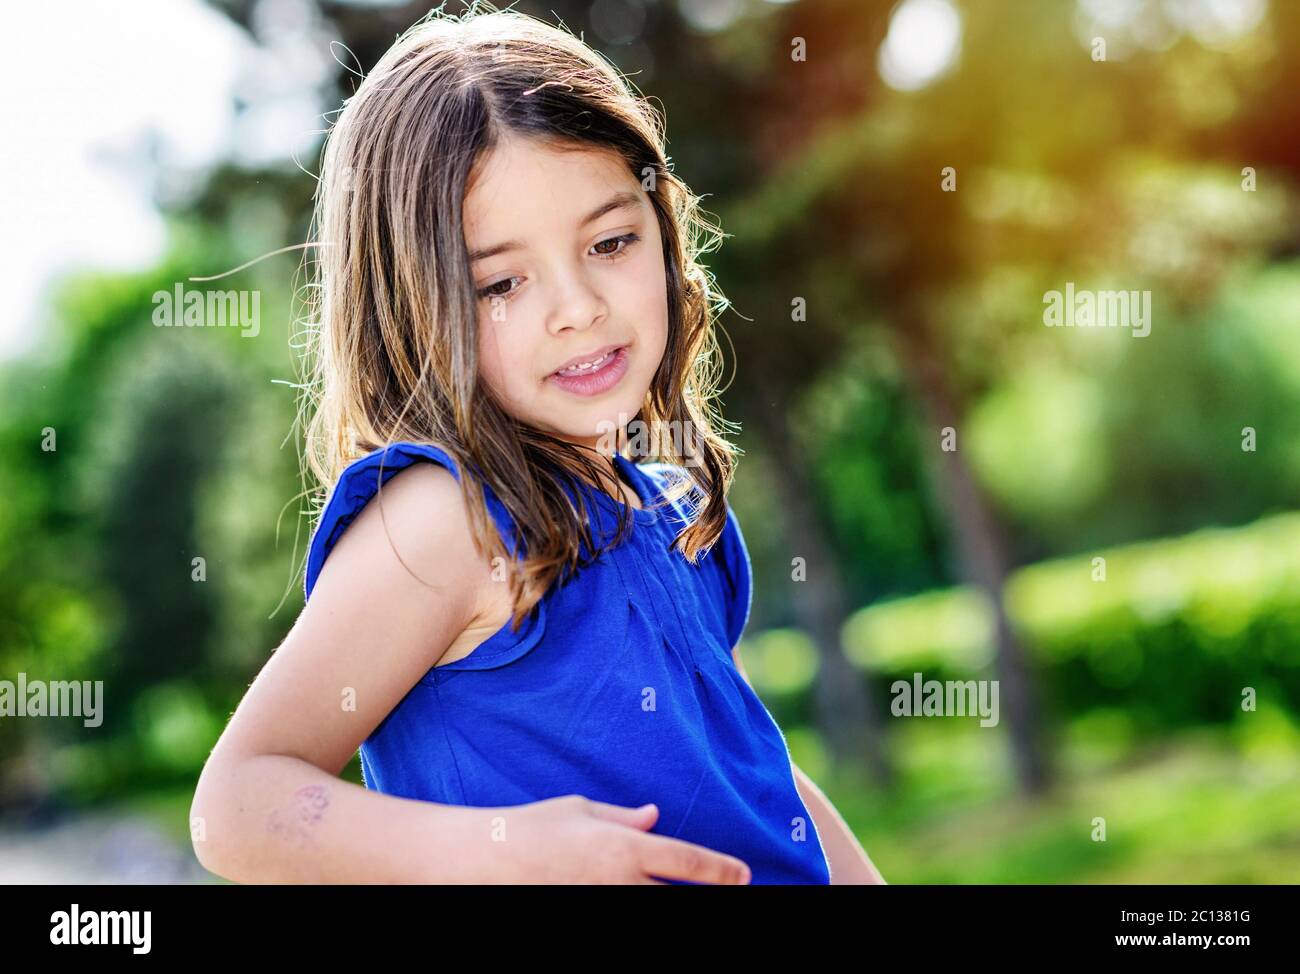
(597, 377)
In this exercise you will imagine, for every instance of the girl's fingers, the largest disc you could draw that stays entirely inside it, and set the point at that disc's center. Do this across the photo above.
(676, 859)
(638, 818)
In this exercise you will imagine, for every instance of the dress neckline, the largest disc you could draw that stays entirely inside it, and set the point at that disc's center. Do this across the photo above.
(640, 483)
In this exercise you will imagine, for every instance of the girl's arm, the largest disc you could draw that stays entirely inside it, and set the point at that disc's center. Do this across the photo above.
(271, 818)
(848, 861)
(269, 806)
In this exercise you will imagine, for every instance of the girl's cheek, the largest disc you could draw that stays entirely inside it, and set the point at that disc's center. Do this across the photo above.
(506, 372)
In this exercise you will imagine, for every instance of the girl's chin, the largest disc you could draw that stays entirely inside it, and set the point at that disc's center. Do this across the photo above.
(597, 430)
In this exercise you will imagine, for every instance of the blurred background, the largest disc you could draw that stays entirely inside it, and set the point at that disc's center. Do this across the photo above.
(933, 482)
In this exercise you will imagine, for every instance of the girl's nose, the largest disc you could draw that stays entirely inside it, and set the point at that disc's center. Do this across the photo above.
(577, 304)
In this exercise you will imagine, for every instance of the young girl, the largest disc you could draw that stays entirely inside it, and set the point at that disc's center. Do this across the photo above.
(529, 635)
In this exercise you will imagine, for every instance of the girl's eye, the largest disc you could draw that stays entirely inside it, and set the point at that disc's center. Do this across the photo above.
(493, 292)
(627, 239)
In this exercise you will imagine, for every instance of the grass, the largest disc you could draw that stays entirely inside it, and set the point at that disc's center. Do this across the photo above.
(1201, 808)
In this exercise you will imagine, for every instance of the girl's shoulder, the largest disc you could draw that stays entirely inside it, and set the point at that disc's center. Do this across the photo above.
(363, 479)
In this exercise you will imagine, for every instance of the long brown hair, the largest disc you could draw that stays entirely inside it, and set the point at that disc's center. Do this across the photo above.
(391, 338)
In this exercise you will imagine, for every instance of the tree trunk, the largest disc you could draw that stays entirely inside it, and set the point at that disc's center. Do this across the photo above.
(846, 713)
(981, 552)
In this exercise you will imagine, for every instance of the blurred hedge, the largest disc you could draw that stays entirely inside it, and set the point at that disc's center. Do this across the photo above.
(1172, 633)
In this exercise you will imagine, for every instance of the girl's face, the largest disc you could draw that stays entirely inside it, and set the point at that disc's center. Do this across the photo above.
(569, 269)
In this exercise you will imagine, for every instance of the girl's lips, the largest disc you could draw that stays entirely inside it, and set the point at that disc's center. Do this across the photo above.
(594, 381)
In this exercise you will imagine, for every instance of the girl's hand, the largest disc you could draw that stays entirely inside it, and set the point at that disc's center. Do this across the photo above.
(574, 840)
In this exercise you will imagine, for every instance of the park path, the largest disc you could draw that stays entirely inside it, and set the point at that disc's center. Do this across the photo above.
(97, 848)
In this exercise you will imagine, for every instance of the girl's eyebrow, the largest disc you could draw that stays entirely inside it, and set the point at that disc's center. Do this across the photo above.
(619, 201)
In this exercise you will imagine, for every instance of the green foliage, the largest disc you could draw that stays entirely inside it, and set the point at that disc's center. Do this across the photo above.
(167, 449)
(1172, 633)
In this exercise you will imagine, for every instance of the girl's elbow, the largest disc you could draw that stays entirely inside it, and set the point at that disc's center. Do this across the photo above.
(208, 836)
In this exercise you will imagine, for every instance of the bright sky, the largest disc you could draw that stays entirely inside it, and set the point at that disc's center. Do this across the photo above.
(88, 82)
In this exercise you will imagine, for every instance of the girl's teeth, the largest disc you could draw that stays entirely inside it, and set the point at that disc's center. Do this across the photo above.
(585, 366)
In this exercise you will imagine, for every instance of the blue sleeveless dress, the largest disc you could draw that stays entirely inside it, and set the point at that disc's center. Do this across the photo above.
(619, 686)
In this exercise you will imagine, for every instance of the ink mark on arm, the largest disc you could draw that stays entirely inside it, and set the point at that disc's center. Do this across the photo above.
(306, 811)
